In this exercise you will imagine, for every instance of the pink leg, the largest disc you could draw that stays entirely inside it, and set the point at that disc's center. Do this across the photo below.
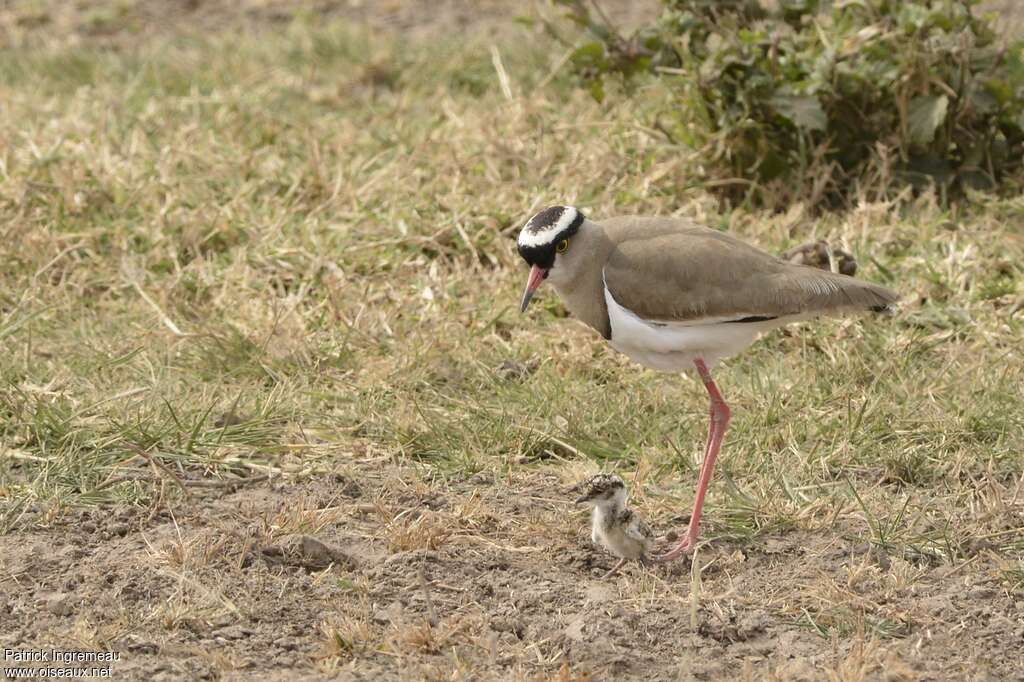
(707, 441)
(720, 416)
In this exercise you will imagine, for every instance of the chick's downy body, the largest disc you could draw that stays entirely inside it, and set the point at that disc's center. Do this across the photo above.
(621, 532)
(613, 526)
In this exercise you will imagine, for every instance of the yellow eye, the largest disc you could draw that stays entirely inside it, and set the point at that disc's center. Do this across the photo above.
(563, 246)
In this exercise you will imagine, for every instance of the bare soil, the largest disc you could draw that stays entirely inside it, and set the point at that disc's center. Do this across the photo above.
(367, 575)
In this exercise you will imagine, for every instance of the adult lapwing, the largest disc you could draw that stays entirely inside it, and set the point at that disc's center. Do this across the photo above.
(673, 295)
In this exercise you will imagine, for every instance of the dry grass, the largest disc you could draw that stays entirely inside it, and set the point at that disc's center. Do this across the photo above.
(290, 253)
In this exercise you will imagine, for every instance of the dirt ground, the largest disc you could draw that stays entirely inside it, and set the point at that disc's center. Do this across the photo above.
(365, 575)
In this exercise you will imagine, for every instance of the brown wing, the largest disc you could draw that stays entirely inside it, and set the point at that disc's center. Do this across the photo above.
(671, 270)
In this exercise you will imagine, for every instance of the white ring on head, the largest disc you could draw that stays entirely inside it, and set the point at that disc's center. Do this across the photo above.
(528, 237)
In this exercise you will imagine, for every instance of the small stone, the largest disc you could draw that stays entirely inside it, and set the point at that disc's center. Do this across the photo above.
(599, 593)
(118, 529)
(574, 630)
(58, 603)
(517, 371)
(391, 614)
(221, 621)
(308, 552)
(752, 623)
(285, 643)
(138, 646)
(511, 626)
(980, 592)
(233, 632)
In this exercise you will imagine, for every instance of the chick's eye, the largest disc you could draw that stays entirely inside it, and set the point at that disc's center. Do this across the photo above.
(563, 246)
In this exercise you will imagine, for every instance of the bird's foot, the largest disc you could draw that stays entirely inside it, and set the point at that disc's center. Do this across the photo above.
(685, 545)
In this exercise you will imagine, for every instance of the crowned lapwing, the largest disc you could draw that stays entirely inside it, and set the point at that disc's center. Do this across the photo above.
(673, 295)
(613, 526)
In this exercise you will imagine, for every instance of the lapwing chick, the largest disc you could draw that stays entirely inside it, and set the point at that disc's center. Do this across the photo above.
(673, 295)
(613, 526)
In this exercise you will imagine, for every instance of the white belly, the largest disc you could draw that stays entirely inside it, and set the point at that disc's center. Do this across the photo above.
(673, 346)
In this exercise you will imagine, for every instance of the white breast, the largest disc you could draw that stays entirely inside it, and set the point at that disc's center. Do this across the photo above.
(673, 346)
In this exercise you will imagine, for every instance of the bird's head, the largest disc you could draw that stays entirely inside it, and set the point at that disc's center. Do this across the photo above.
(545, 243)
(602, 490)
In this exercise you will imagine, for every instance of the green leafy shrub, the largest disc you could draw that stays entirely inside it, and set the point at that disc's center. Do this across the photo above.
(819, 101)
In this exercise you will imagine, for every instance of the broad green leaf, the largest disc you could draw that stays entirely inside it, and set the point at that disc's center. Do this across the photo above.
(924, 116)
(803, 110)
(924, 169)
(591, 53)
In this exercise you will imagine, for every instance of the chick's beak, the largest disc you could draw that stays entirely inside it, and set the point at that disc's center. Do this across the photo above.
(583, 498)
(537, 275)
